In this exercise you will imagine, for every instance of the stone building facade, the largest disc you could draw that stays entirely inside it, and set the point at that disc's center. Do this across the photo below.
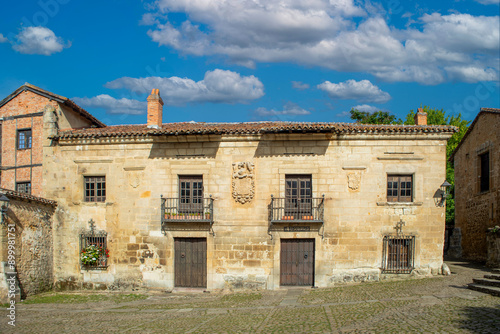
(477, 187)
(27, 229)
(21, 134)
(245, 205)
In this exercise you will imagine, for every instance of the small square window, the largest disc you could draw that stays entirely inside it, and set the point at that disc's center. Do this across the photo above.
(23, 187)
(95, 188)
(399, 188)
(23, 139)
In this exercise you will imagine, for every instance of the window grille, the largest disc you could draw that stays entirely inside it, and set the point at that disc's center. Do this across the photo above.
(95, 188)
(23, 139)
(98, 239)
(399, 188)
(23, 187)
(398, 254)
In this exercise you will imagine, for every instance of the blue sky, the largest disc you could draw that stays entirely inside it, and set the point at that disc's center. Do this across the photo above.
(252, 60)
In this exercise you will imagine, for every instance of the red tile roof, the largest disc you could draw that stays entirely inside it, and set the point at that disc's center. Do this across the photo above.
(27, 197)
(194, 128)
(58, 98)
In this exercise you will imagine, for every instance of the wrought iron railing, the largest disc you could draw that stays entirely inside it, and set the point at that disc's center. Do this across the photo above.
(398, 254)
(180, 210)
(297, 210)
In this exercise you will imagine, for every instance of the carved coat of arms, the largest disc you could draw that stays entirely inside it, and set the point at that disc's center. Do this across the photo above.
(353, 181)
(243, 182)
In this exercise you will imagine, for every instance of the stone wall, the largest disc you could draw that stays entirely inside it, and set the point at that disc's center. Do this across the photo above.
(31, 223)
(493, 245)
(476, 211)
(243, 251)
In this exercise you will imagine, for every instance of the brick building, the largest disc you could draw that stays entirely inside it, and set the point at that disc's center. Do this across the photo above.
(21, 134)
(477, 182)
(243, 205)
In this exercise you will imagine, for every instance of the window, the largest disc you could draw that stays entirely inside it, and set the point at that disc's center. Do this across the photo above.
(398, 254)
(399, 188)
(191, 194)
(23, 187)
(95, 188)
(298, 196)
(23, 139)
(484, 176)
(94, 250)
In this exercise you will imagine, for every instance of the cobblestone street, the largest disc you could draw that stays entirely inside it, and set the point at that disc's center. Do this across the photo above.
(430, 305)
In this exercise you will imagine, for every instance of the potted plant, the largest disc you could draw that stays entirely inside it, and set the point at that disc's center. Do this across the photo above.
(307, 217)
(207, 215)
(93, 255)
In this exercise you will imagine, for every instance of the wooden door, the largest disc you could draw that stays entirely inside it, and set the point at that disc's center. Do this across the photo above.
(190, 266)
(298, 196)
(297, 262)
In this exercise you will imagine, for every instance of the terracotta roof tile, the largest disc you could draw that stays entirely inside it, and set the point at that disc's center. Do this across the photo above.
(23, 196)
(58, 98)
(194, 128)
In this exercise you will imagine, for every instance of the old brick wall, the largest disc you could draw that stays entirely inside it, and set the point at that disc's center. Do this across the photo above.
(476, 211)
(29, 161)
(33, 244)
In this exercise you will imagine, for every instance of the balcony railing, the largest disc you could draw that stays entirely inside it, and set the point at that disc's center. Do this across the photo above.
(297, 210)
(180, 210)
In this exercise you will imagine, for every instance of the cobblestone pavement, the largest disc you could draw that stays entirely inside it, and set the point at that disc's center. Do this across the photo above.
(430, 305)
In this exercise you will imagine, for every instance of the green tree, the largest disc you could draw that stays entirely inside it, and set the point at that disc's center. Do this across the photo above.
(378, 117)
(439, 117)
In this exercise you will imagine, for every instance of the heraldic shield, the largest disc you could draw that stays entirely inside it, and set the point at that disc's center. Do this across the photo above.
(243, 182)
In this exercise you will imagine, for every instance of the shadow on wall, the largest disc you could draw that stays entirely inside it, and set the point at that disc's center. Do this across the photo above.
(269, 148)
(180, 149)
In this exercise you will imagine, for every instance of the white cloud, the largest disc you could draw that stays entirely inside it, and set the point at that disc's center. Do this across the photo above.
(289, 109)
(363, 91)
(3, 39)
(489, 2)
(326, 34)
(300, 85)
(366, 108)
(39, 40)
(218, 86)
(112, 105)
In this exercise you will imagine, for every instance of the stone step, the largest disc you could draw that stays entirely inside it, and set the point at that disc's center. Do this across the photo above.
(486, 281)
(496, 270)
(493, 276)
(494, 291)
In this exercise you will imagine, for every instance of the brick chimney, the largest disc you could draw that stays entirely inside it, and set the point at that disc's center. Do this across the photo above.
(420, 117)
(155, 109)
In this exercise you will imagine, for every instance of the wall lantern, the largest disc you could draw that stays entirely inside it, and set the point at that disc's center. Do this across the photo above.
(445, 192)
(4, 206)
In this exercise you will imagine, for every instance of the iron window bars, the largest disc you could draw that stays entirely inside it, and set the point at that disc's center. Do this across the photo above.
(398, 254)
(98, 239)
